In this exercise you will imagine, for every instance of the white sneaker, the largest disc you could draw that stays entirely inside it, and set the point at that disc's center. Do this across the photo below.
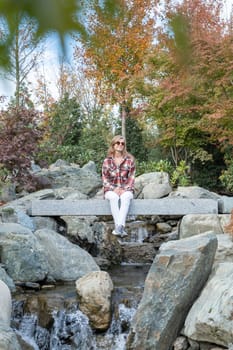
(123, 232)
(117, 231)
(120, 231)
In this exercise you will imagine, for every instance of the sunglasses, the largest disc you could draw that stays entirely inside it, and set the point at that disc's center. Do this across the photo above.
(119, 143)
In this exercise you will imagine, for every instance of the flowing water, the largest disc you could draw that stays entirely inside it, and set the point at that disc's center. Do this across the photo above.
(62, 326)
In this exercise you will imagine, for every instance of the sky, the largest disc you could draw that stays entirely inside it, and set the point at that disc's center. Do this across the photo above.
(52, 56)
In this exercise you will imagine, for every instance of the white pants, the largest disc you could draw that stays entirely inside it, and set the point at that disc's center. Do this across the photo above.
(119, 206)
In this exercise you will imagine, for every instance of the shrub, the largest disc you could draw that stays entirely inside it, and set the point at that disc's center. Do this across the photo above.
(180, 176)
(19, 137)
(226, 177)
(151, 166)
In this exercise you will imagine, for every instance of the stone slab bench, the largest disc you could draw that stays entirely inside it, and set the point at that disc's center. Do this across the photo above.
(95, 207)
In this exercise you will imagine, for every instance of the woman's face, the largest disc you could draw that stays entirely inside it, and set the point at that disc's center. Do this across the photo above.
(119, 145)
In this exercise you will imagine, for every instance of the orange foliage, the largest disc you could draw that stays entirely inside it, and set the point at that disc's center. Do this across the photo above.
(118, 44)
(200, 81)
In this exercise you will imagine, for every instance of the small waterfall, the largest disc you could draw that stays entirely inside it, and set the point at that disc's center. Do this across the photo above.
(71, 330)
(115, 337)
(137, 233)
(27, 330)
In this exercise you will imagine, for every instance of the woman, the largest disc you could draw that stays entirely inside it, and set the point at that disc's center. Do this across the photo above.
(118, 174)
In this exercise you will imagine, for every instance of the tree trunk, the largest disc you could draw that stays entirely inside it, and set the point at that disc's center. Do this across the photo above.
(123, 119)
(17, 69)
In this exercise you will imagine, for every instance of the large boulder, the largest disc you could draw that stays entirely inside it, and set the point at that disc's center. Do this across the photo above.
(210, 318)
(21, 253)
(194, 224)
(155, 190)
(85, 179)
(154, 178)
(66, 261)
(174, 281)
(94, 292)
(194, 192)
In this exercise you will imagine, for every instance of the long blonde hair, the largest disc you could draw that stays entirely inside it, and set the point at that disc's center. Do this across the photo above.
(111, 150)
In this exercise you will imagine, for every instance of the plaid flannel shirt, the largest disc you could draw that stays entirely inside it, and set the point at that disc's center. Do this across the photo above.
(122, 175)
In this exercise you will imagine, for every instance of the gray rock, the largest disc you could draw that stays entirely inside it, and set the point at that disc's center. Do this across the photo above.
(66, 261)
(23, 256)
(68, 193)
(24, 203)
(8, 339)
(5, 305)
(7, 280)
(6, 228)
(7, 192)
(194, 192)
(11, 214)
(154, 190)
(225, 204)
(145, 179)
(224, 251)
(174, 281)
(79, 228)
(40, 222)
(210, 318)
(90, 166)
(194, 224)
(80, 179)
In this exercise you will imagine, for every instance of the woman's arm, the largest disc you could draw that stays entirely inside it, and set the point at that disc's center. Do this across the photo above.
(131, 177)
(107, 183)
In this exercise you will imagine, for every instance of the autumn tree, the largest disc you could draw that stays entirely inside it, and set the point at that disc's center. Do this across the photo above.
(116, 47)
(188, 69)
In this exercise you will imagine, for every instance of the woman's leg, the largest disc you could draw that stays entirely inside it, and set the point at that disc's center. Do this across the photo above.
(124, 206)
(114, 205)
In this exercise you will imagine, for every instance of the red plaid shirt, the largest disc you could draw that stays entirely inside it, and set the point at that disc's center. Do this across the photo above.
(122, 175)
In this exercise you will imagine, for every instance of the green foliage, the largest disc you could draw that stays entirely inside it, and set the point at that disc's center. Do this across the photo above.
(134, 137)
(4, 174)
(63, 126)
(94, 140)
(152, 166)
(180, 27)
(74, 137)
(59, 16)
(4, 177)
(226, 177)
(204, 163)
(65, 122)
(180, 176)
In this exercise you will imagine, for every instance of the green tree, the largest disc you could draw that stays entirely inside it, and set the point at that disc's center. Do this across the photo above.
(94, 140)
(63, 125)
(135, 140)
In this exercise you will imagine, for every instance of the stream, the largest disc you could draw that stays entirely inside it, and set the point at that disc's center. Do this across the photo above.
(49, 319)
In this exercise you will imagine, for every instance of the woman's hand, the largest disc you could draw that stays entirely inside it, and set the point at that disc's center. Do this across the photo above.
(119, 191)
